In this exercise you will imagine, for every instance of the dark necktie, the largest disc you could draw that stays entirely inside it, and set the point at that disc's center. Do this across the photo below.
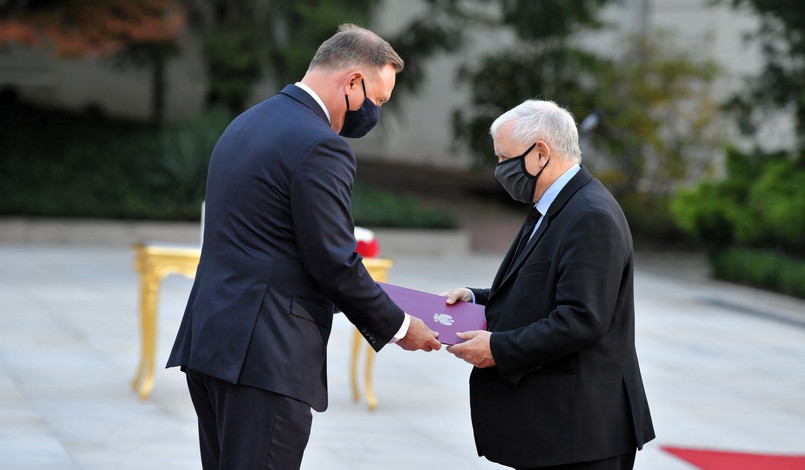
(528, 227)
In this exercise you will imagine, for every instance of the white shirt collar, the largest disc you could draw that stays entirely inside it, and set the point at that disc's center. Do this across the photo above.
(553, 190)
(315, 97)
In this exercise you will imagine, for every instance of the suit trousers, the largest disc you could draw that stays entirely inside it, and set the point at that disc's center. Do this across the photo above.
(243, 427)
(618, 462)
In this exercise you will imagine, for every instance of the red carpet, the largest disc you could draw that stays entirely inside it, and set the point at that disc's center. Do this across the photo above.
(717, 460)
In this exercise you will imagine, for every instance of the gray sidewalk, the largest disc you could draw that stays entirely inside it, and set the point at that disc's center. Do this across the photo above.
(723, 366)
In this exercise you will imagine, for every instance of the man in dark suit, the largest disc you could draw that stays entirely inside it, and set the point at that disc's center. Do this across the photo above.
(278, 257)
(556, 382)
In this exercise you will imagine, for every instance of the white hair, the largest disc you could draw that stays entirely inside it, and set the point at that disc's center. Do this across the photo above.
(543, 120)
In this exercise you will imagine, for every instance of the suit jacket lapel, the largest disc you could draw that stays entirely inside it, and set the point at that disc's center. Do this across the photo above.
(543, 226)
(303, 97)
(580, 179)
(505, 265)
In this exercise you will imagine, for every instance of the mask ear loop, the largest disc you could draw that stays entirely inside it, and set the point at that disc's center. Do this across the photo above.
(522, 162)
(536, 177)
(533, 178)
(528, 150)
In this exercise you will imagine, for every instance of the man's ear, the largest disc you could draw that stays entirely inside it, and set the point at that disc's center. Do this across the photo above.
(544, 151)
(352, 80)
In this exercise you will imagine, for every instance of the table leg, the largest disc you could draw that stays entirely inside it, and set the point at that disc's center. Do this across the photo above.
(149, 290)
(370, 391)
(357, 342)
(353, 370)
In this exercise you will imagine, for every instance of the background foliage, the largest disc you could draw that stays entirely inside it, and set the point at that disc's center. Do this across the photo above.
(768, 269)
(657, 117)
(752, 221)
(658, 124)
(781, 82)
(760, 203)
(90, 168)
(138, 33)
(94, 168)
(245, 41)
(112, 169)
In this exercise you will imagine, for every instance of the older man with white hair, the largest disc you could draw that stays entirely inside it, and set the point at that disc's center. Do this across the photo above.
(556, 382)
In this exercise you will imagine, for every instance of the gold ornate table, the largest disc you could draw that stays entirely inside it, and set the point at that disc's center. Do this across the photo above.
(378, 268)
(154, 262)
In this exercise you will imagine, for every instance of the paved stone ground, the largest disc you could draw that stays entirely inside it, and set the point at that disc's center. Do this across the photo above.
(723, 367)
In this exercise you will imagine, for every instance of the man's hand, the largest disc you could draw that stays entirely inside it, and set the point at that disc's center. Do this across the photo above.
(454, 295)
(475, 348)
(419, 336)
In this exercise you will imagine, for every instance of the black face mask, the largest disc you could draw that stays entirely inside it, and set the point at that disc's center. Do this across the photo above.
(516, 180)
(359, 122)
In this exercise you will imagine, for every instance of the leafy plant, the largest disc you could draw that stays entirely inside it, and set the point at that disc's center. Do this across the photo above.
(762, 268)
(658, 122)
(372, 207)
(777, 197)
(781, 83)
(651, 222)
(113, 169)
(542, 63)
(760, 203)
(180, 165)
(247, 41)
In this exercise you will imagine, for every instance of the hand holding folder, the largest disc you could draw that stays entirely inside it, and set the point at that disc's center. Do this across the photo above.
(438, 315)
(476, 348)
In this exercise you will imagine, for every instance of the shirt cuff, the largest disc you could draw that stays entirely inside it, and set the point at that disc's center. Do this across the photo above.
(473, 295)
(403, 329)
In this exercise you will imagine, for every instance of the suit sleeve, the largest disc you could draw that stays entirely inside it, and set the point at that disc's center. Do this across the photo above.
(321, 208)
(481, 295)
(591, 263)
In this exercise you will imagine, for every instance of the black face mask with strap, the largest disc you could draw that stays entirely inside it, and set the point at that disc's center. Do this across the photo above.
(516, 180)
(359, 122)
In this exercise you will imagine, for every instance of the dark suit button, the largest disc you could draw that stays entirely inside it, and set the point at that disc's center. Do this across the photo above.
(363, 330)
(373, 341)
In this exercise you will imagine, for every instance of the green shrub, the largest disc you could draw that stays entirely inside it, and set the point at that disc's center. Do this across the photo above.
(762, 268)
(760, 203)
(61, 164)
(58, 164)
(753, 220)
(778, 200)
(372, 207)
(650, 220)
(706, 213)
(179, 168)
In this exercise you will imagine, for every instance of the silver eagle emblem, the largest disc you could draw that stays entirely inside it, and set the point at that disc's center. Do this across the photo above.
(443, 318)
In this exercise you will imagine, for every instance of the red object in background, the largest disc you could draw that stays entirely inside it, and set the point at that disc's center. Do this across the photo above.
(367, 243)
(719, 460)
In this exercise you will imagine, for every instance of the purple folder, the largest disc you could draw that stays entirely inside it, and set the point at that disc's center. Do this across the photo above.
(439, 316)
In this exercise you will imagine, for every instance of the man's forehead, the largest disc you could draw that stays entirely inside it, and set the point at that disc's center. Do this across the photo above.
(506, 129)
(503, 134)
